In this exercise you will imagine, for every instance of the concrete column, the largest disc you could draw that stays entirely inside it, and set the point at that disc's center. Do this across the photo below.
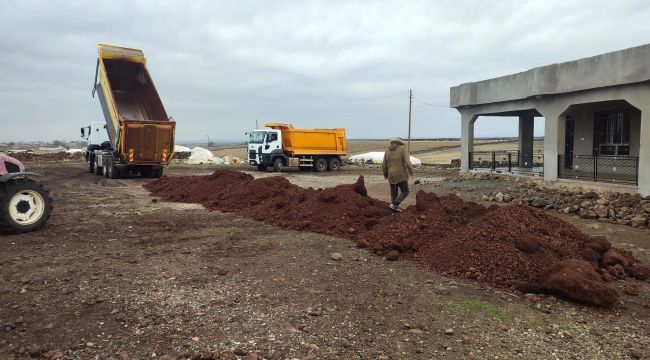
(466, 139)
(526, 134)
(553, 142)
(644, 151)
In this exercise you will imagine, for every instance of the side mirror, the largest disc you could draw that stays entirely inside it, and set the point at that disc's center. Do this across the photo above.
(267, 146)
(83, 133)
(246, 133)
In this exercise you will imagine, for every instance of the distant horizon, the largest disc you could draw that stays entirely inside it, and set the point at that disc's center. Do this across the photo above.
(236, 142)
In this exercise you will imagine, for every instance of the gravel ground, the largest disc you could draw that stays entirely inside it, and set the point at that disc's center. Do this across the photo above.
(115, 275)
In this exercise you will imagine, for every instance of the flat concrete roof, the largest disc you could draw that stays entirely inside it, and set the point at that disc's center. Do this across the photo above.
(616, 68)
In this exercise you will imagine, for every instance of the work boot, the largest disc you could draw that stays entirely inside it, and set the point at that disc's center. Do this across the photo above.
(394, 208)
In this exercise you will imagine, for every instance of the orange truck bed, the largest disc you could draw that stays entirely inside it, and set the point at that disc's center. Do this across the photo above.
(312, 141)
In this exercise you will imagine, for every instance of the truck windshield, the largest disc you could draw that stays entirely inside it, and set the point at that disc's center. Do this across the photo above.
(257, 137)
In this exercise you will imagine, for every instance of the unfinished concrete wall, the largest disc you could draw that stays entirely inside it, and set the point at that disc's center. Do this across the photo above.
(616, 68)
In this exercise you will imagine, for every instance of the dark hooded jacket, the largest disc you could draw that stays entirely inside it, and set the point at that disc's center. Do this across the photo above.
(397, 162)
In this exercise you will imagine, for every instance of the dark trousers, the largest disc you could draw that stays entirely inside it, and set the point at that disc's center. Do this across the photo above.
(403, 188)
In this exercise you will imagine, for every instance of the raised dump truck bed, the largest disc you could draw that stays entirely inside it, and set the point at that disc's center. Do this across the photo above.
(140, 133)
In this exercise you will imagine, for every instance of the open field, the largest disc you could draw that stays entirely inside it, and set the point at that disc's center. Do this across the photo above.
(429, 151)
(114, 274)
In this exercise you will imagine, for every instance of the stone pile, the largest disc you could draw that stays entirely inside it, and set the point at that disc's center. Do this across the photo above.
(611, 207)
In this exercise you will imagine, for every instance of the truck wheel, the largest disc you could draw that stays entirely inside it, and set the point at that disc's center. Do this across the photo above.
(113, 171)
(320, 164)
(261, 167)
(91, 163)
(334, 164)
(277, 165)
(98, 169)
(25, 206)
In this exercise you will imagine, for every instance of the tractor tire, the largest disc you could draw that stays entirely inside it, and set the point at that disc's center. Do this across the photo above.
(320, 164)
(25, 206)
(277, 165)
(98, 169)
(334, 164)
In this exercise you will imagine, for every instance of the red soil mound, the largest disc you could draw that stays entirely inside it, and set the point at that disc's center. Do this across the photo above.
(513, 247)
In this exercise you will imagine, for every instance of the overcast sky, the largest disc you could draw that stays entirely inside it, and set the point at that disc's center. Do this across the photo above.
(221, 65)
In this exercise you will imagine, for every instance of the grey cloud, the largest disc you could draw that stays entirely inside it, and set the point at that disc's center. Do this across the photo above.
(221, 65)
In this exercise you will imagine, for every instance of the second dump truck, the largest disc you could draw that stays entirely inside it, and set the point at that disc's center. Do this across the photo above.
(309, 149)
(140, 134)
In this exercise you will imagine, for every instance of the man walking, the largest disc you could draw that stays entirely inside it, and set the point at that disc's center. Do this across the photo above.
(397, 169)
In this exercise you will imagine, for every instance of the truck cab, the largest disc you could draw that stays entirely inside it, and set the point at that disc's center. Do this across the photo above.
(262, 145)
(97, 137)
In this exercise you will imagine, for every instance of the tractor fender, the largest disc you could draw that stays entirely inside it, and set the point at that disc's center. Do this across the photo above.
(6, 178)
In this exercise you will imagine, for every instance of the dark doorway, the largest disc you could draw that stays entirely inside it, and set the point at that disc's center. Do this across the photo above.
(568, 142)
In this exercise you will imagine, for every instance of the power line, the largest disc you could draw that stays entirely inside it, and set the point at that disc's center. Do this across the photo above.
(430, 104)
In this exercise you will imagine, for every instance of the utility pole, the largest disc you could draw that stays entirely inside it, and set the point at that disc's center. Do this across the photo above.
(410, 102)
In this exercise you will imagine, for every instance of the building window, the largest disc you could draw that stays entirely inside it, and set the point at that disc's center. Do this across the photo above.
(612, 133)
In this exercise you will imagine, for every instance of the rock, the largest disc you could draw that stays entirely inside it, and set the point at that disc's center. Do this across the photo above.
(636, 354)
(585, 213)
(590, 195)
(466, 339)
(392, 255)
(449, 331)
(90, 344)
(639, 221)
(336, 256)
(240, 352)
(167, 357)
(34, 350)
(227, 355)
(498, 197)
(631, 289)
(600, 210)
(613, 257)
(538, 203)
(527, 244)
(206, 355)
(578, 280)
(639, 272)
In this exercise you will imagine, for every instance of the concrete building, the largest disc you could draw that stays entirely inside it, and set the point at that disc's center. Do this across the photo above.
(596, 119)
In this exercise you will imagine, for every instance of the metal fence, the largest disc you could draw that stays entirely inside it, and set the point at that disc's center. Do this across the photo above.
(507, 161)
(617, 169)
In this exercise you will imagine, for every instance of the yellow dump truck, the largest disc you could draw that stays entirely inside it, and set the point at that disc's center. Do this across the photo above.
(140, 134)
(309, 149)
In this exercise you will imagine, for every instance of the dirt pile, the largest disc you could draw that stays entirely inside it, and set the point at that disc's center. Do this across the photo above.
(514, 247)
(56, 156)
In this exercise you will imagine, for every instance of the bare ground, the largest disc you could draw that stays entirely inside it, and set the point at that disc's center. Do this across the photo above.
(114, 274)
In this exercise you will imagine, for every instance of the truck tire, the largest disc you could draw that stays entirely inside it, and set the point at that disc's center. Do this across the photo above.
(91, 163)
(320, 164)
(277, 165)
(261, 167)
(98, 169)
(334, 164)
(113, 172)
(25, 206)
